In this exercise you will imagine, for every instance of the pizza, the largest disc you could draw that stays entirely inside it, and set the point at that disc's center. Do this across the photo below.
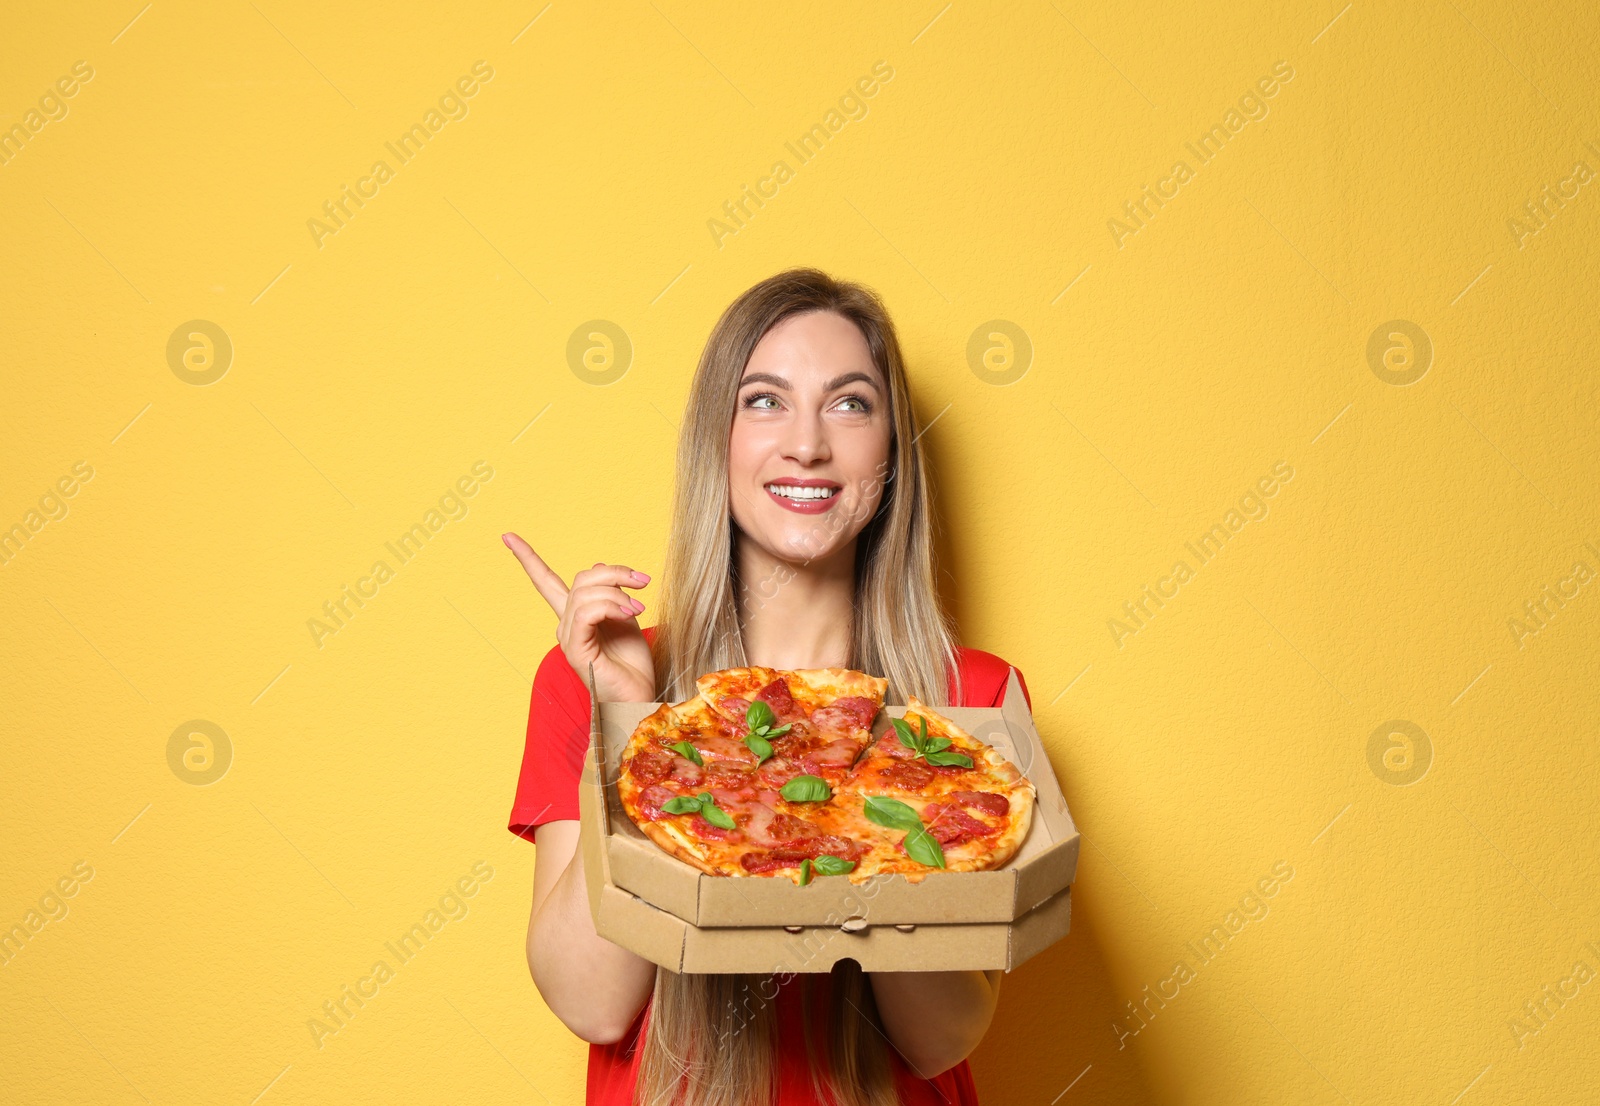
(775, 772)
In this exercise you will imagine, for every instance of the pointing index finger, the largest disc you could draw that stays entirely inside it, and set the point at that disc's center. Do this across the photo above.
(543, 576)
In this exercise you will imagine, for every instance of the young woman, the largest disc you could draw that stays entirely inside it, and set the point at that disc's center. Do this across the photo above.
(802, 537)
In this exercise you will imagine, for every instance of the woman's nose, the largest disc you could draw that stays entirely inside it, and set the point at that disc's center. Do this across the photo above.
(807, 440)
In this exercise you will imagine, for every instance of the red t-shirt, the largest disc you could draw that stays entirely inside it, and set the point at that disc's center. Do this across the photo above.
(547, 791)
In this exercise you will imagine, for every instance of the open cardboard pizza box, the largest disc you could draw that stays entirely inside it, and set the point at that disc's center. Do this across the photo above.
(674, 915)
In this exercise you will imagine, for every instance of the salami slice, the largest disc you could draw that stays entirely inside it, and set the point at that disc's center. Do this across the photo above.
(836, 755)
(889, 745)
(792, 853)
(841, 721)
(720, 747)
(705, 831)
(770, 860)
(787, 827)
(777, 696)
(912, 775)
(649, 766)
(862, 711)
(990, 802)
(802, 734)
(950, 825)
(947, 770)
(778, 771)
(650, 800)
(735, 708)
(686, 771)
(725, 773)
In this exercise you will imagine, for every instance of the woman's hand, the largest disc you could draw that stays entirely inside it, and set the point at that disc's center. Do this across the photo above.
(598, 624)
(595, 987)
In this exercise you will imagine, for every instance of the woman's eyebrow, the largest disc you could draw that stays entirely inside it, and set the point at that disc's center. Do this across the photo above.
(778, 381)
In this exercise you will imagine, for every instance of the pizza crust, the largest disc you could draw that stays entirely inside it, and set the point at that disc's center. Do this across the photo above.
(691, 850)
(646, 734)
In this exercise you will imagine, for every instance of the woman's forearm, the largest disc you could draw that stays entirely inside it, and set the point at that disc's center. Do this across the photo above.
(935, 1019)
(594, 986)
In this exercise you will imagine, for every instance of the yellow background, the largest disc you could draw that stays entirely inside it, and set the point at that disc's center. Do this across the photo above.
(1231, 732)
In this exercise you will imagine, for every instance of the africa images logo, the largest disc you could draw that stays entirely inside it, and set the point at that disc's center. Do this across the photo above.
(1251, 107)
(1253, 908)
(52, 109)
(452, 106)
(1136, 614)
(452, 506)
(851, 108)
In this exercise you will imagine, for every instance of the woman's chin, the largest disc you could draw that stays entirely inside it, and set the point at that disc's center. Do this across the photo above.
(800, 541)
(808, 550)
(799, 549)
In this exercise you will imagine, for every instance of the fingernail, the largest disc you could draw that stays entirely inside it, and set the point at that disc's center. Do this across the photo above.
(505, 540)
(643, 578)
(638, 606)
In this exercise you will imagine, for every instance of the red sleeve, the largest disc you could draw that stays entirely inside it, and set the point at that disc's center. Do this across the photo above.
(984, 677)
(552, 757)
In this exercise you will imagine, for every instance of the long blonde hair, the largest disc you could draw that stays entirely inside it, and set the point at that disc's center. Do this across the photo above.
(705, 1035)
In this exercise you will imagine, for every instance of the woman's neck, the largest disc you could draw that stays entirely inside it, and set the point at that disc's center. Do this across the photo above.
(796, 615)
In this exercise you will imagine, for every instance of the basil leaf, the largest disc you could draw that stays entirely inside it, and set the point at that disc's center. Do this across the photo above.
(806, 789)
(949, 759)
(920, 744)
(714, 814)
(805, 871)
(688, 751)
(891, 812)
(681, 804)
(924, 848)
(905, 733)
(780, 731)
(758, 745)
(759, 716)
(830, 865)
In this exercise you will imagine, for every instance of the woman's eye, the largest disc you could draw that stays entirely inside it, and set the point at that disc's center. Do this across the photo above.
(766, 401)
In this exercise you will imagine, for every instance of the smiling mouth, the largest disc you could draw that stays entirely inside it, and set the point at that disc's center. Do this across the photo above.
(800, 494)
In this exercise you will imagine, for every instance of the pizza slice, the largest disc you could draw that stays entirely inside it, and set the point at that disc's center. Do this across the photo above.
(840, 705)
(926, 776)
(816, 688)
(791, 694)
(731, 691)
(688, 747)
(803, 722)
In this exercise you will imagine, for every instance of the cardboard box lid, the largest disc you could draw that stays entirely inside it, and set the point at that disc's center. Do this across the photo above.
(1044, 865)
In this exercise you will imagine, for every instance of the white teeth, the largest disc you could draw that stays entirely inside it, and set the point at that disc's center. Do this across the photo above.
(791, 491)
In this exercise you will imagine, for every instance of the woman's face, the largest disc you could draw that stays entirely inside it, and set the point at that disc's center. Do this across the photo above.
(809, 451)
